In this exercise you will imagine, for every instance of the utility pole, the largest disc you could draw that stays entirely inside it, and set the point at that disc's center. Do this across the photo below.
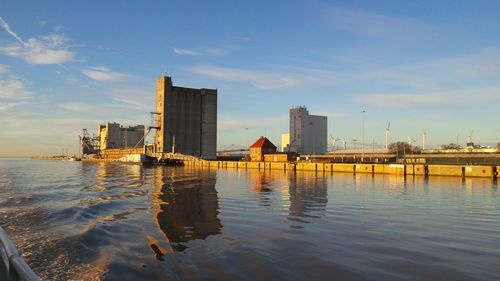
(363, 143)
(173, 144)
(246, 139)
(126, 138)
(424, 139)
(387, 135)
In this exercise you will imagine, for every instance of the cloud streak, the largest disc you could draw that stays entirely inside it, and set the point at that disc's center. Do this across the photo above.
(50, 49)
(204, 52)
(3, 68)
(405, 100)
(7, 28)
(103, 73)
(378, 26)
(259, 79)
(13, 93)
(13, 89)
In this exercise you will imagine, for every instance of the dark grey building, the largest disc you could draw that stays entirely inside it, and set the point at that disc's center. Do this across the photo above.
(186, 120)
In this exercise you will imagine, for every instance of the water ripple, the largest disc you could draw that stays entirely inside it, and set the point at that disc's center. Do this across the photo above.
(85, 221)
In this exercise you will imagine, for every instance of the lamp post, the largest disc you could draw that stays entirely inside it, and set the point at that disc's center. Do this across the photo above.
(246, 138)
(363, 143)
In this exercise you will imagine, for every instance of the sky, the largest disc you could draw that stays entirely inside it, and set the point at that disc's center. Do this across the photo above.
(430, 66)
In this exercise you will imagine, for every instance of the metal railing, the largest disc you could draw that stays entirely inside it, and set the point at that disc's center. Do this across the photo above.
(12, 266)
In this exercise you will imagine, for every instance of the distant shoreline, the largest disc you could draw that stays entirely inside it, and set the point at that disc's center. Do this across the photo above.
(24, 157)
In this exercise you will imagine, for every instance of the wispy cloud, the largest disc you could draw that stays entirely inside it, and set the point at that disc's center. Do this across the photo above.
(13, 93)
(13, 89)
(115, 111)
(9, 105)
(3, 68)
(405, 100)
(71, 80)
(142, 98)
(202, 52)
(103, 73)
(104, 110)
(7, 28)
(481, 63)
(377, 25)
(50, 49)
(233, 123)
(260, 79)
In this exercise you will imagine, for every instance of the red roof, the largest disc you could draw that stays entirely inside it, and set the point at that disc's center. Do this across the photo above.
(263, 142)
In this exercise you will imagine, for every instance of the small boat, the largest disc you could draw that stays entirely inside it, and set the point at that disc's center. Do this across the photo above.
(12, 266)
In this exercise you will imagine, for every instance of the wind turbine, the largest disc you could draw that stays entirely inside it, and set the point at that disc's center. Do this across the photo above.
(387, 135)
(334, 141)
(411, 141)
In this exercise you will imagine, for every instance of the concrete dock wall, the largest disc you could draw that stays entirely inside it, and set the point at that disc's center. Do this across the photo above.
(445, 170)
(381, 168)
(345, 168)
(395, 169)
(479, 171)
(365, 168)
(419, 170)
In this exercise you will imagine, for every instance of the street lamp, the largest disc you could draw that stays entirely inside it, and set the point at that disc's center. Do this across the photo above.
(363, 143)
(246, 138)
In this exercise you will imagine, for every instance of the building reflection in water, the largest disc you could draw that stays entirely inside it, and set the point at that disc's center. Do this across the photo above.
(263, 183)
(308, 196)
(185, 205)
(303, 193)
(111, 176)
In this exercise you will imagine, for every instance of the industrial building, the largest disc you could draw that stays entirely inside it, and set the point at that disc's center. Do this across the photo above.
(112, 135)
(308, 133)
(186, 120)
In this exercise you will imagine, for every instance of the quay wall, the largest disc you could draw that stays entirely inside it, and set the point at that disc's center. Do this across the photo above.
(393, 169)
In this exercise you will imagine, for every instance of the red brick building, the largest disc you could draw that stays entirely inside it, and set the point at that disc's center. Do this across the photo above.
(260, 147)
(281, 157)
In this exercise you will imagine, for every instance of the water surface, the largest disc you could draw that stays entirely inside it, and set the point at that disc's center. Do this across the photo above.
(87, 221)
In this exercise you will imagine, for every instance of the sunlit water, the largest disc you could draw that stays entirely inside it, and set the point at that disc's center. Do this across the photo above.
(87, 221)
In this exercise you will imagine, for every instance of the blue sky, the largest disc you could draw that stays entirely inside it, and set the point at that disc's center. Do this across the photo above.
(422, 65)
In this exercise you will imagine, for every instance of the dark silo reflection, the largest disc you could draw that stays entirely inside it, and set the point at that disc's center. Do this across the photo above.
(186, 205)
(308, 196)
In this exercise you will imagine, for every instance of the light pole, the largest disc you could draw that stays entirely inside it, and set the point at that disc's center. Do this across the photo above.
(246, 139)
(363, 143)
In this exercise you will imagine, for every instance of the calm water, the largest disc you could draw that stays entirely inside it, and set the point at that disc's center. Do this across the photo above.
(87, 221)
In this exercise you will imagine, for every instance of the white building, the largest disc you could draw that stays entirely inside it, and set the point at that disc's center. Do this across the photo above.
(112, 135)
(285, 142)
(308, 133)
